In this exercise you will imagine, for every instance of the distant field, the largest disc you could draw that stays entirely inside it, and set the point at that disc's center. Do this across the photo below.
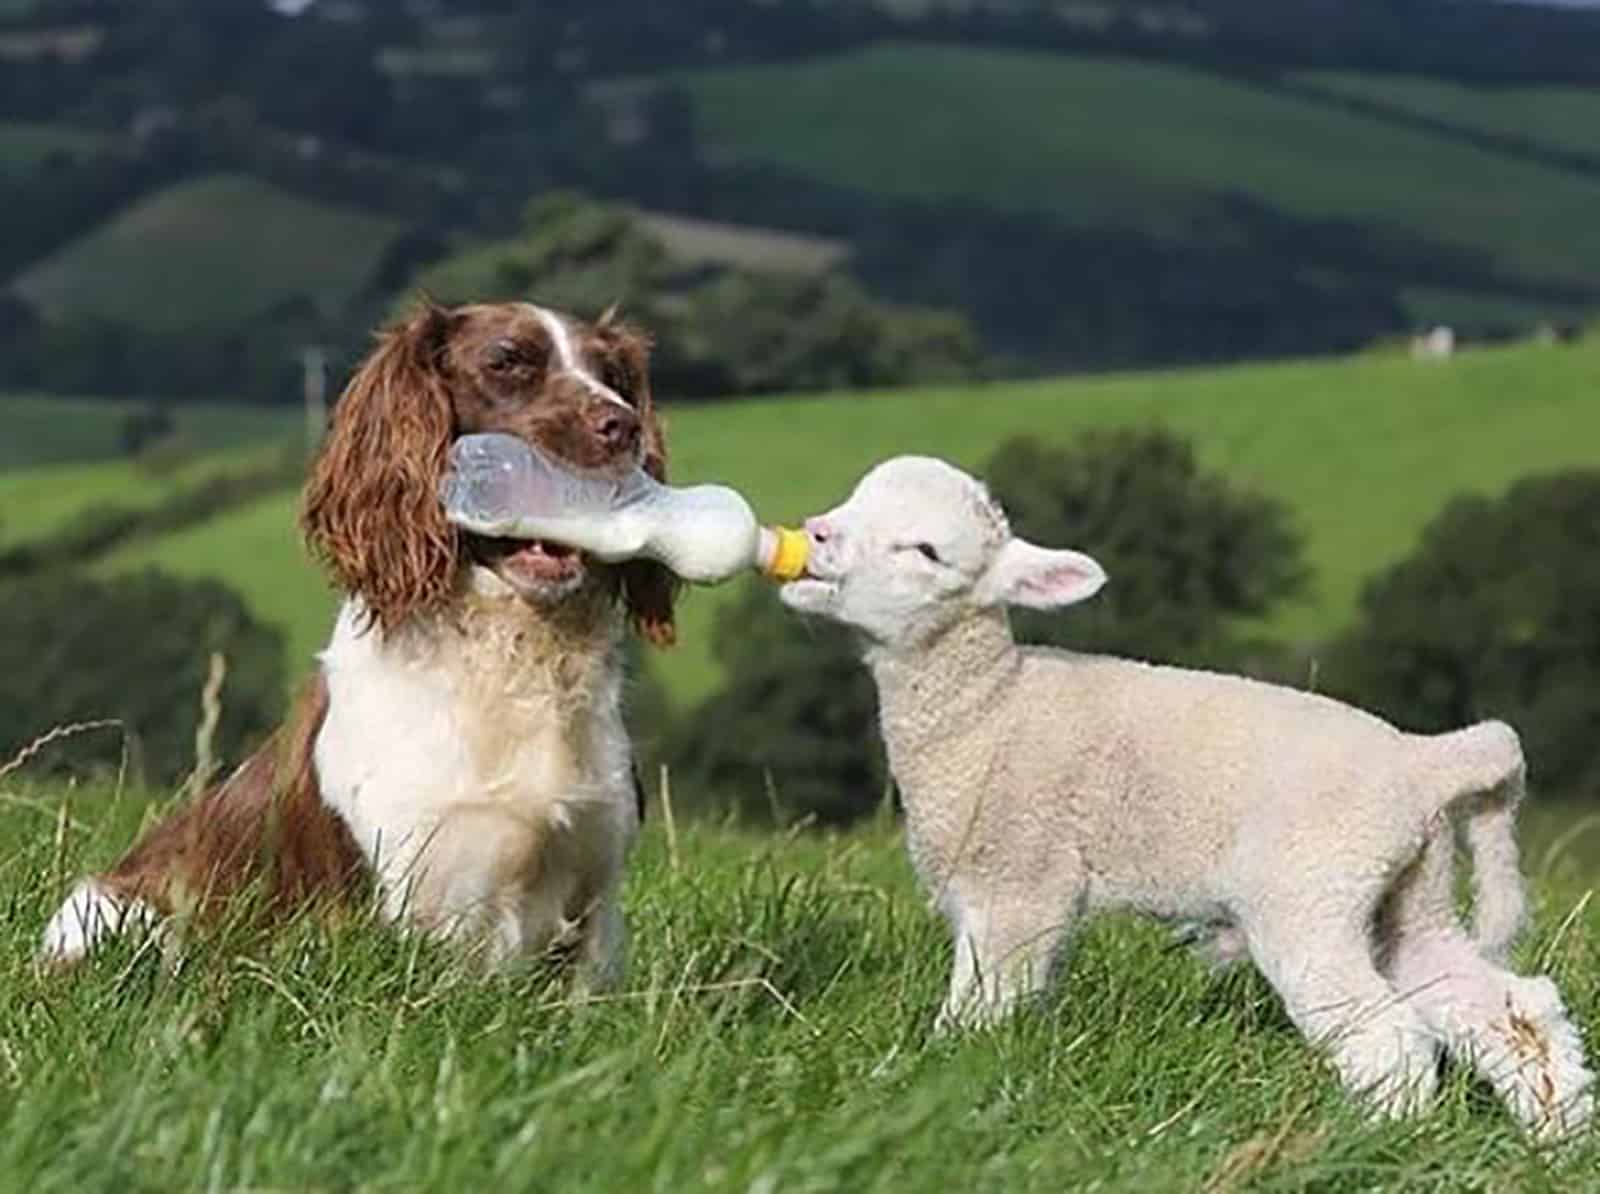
(689, 243)
(1098, 142)
(49, 429)
(34, 503)
(211, 253)
(708, 242)
(23, 146)
(1364, 451)
(1564, 118)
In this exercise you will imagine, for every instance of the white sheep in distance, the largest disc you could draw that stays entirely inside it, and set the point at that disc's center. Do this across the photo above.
(1041, 785)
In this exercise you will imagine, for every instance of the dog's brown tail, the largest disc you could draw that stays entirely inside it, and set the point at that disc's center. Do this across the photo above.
(265, 828)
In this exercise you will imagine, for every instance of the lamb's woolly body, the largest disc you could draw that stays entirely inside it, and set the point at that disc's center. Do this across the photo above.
(497, 800)
(1058, 746)
(1313, 837)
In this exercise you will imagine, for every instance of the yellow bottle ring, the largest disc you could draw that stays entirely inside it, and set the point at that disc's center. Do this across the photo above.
(789, 560)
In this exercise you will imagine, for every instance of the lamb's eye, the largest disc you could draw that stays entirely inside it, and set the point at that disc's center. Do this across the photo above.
(927, 552)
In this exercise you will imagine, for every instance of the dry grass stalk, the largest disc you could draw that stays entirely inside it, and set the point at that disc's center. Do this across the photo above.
(205, 735)
(60, 733)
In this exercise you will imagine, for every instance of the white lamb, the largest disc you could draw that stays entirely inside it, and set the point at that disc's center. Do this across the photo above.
(1040, 785)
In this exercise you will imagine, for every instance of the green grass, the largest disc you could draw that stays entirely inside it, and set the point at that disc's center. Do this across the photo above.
(772, 1034)
(23, 145)
(48, 429)
(1563, 118)
(1098, 142)
(212, 253)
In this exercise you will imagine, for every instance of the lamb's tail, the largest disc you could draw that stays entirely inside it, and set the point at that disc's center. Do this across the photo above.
(1486, 781)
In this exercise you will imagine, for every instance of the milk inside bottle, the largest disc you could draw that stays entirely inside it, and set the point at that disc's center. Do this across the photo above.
(503, 487)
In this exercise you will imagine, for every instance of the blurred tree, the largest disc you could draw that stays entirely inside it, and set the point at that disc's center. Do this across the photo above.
(1497, 614)
(1189, 553)
(135, 648)
(148, 425)
(792, 733)
(719, 330)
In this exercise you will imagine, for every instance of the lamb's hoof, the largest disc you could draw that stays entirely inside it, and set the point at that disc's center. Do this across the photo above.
(1551, 1089)
(1393, 1067)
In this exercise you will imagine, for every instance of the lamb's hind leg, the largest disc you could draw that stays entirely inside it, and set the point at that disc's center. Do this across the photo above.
(1322, 967)
(1513, 1031)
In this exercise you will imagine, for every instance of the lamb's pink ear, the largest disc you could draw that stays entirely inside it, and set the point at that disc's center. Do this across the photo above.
(1039, 577)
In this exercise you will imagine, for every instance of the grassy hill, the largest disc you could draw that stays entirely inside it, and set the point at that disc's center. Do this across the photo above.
(211, 253)
(48, 429)
(1562, 118)
(772, 1034)
(1365, 451)
(24, 145)
(1123, 144)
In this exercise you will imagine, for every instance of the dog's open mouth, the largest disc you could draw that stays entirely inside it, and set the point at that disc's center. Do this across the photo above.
(530, 564)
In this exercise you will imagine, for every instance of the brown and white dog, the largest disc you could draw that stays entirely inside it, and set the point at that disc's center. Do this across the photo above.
(462, 744)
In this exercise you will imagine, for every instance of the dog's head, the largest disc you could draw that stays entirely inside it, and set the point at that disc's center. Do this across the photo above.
(580, 391)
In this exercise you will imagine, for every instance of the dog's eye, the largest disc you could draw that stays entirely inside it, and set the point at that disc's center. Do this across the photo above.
(925, 550)
(502, 355)
(618, 378)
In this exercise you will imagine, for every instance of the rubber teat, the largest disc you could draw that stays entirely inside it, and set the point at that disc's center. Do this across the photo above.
(785, 555)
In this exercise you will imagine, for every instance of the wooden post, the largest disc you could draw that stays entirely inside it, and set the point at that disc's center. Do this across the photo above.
(314, 383)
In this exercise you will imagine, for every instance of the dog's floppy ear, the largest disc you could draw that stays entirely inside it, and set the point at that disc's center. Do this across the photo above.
(649, 590)
(371, 509)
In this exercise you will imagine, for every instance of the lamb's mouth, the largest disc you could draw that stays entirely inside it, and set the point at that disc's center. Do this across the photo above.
(537, 567)
(808, 590)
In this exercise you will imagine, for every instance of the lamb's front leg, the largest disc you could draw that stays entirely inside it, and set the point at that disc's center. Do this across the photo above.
(603, 946)
(1007, 946)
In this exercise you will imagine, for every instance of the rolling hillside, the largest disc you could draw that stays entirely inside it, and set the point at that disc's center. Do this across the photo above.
(209, 254)
(47, 429)
(1169, 151)
(1560, 118)
(25, 145)
(1365, 451)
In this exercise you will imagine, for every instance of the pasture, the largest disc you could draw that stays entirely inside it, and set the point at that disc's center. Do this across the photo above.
(211, 253)
(1163, 149)
(24, 145)
(1364, 451)
(1550, 116)
(772, 1034)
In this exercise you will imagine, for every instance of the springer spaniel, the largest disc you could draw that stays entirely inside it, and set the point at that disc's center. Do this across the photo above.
(462, 744)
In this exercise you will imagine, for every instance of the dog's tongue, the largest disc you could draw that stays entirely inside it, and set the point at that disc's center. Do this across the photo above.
(543, 560)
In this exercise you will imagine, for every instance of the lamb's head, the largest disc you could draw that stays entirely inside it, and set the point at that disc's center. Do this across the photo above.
(920, 545)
